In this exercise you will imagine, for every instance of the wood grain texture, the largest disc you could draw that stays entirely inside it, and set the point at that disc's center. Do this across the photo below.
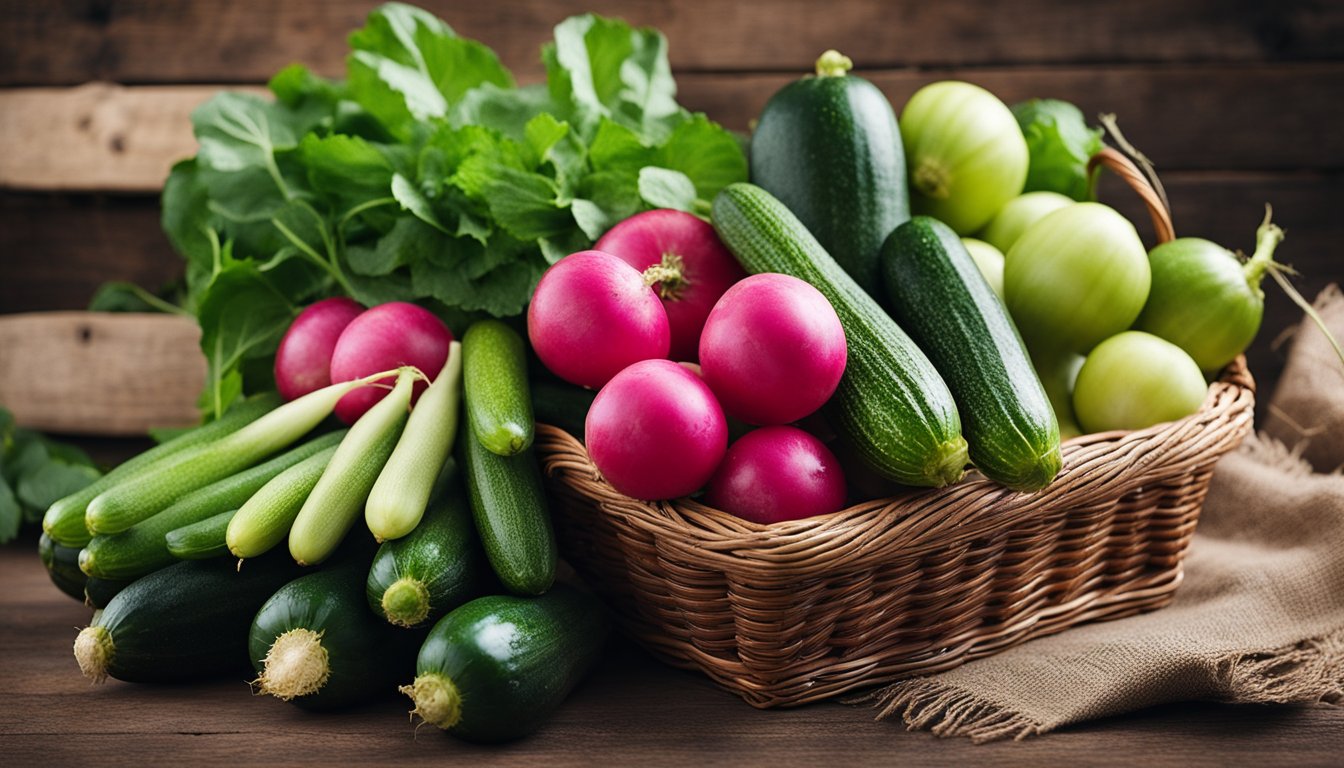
(107, 137)
(633, 711)
(98, 373)
(63, 42)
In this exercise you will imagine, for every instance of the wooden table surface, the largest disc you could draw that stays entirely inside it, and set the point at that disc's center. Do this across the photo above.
(632, 711)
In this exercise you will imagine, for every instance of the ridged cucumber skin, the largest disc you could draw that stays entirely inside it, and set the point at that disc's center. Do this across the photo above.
(366, 655)
(494, 378)
(936, 292)
(891, 404)
(265, 518)
(189, 621)
(98, 593)
(142, 548)
(442, 554)
(513, 660)
(62, 564)
(513, 520)
(562, 405)
(64, 520)
(200, 540)
(829, 148)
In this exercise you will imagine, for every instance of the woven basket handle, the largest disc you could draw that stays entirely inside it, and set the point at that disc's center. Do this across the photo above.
(1125, 169)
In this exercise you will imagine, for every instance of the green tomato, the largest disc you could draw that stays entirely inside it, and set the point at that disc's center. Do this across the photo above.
(1203, 300)
(989, 260)
(1077, 276)
(965, 153)
(1058, 371)
(1018, 214)
(1134, 380)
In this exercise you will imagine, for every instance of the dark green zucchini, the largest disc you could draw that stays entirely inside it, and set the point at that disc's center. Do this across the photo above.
(143, 548)
(99, 592)
(562, 405)
(62, 564)
(496, 668)
(937, 293)
(201, 540)
(184, 622)
(828, 147)
(891, 405)
(315, 643)
(509, 507)
(436, 567)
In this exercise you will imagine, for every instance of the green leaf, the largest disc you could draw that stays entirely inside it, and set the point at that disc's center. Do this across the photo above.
(523, 203)
(66, 453)
(27, 454)
(708, 154)
(345, 169)
(617, 148)
(1060, 144)
(599, 67)
(407, 65)
(186, 219)
(240, 130)
(411, 240)
(129, 297)
(296, 86)
(11, 515)
(507, 110)
(413, 200)
(53, 481)
(663, 188)
(241, 316)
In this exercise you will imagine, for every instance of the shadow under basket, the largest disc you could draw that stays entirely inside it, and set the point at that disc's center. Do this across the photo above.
(796, 612)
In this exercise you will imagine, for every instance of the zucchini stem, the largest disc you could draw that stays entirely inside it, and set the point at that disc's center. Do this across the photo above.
(833, 63)
(296, 665)
(1267, 238)
(406, 602)
(93, 651)
(949, 464)
(436, 699)
(669, 275)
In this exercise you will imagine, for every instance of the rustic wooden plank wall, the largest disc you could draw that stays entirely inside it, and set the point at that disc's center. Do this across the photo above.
(1237, 101)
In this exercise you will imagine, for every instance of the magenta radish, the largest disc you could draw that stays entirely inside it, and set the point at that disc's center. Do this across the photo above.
(774, 474)
(303, 361)
(684, 262)
(655, 431)
(773, 349)
(592, 315)
(385, 337)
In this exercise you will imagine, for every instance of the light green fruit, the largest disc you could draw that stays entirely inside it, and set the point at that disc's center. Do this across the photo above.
(1019, 213)
(1134, 380)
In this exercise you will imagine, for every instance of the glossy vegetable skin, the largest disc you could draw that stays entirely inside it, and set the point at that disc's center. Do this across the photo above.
(200, 540)
(303, 360)
(778, 473)
(828, 147)
(494, 669)
(938, 294)
(62, 564)
(891, 403)
(384, 338)
(1134, 380)
(494, 373)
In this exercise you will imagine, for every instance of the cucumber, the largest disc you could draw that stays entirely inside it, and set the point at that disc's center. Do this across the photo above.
(184, 622)
(891, 405)
(202, 539)
(562, 405)
(64, 520)
(509, 507)
(62, 564)
(339, 495)
(416, 579)
(266, 517)
(829, 148)
(937, 292)
(315, 643)
(126, 504)
(99, 592)
(143, 548)
(495, 668)
(402, 491)
(494, 378)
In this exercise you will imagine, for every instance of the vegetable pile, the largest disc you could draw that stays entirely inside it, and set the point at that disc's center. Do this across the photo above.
(379, 264)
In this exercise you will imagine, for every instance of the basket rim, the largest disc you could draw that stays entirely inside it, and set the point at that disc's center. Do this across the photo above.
(923, 520)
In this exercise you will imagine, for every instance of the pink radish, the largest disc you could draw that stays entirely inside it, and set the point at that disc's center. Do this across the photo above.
(592, 315)
(684, 261)
(385, 337)
(778, 473)
(655, 431)
(303, 361)
(772, 350)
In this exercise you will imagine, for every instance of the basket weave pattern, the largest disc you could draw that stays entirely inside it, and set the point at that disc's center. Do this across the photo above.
(911, 585)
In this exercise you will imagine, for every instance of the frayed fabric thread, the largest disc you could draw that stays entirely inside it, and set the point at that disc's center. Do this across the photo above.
(1310, 671)
(947, 711)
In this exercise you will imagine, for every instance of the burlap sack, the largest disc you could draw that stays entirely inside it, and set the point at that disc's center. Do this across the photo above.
(1305, 412)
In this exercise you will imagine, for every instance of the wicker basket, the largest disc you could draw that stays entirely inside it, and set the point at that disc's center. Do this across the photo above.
(800, 611)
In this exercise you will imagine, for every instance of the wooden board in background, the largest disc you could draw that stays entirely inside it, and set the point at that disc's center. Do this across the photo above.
(65, 42)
